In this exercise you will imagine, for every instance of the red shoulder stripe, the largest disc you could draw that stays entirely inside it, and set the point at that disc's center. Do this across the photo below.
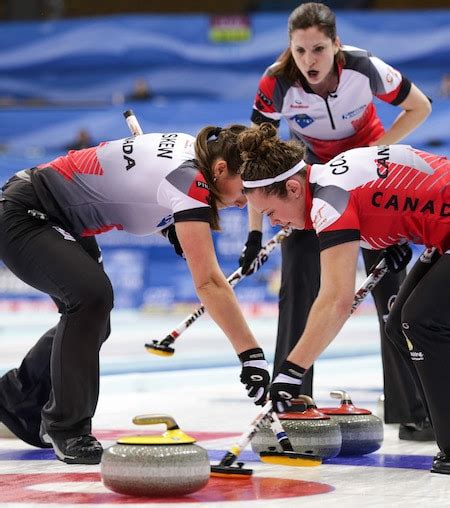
(264, 95)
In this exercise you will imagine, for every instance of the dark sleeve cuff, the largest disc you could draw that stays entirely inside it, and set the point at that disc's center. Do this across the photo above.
(405, 88)
(258, 118)
(331, 238)
(202, 214)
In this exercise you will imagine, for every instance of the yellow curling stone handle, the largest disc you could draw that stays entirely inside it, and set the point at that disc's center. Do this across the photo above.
(167, 420)
(173, 435)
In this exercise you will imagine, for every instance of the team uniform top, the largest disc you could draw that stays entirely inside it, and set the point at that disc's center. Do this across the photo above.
(346, 119)
(380, 196)
(138, 184)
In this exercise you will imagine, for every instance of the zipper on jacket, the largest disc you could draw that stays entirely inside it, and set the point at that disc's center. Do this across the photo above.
(329, 114)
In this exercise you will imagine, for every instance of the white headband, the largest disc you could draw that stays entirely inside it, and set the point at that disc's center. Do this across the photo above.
(252, 184)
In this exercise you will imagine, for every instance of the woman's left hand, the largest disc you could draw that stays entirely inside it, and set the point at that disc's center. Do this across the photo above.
(286, 386)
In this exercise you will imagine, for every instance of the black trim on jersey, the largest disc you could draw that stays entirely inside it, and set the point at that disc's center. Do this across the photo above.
(258, 118)
(405, 88)
(202, 214)
(358, 60)
(329, 239)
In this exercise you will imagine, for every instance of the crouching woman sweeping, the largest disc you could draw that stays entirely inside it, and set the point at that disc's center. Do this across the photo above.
(377, 197)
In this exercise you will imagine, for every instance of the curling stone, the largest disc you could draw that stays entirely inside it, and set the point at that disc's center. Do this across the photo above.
(155, 465)
(362, 432)
(310, 432)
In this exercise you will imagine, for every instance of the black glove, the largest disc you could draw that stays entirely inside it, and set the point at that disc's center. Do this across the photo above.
(171, 235)
(250, 251)
(286, 386)
(255, 374)
(397, 257)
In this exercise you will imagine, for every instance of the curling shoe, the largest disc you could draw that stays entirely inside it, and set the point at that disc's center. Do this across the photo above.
(76, 450)
(441, 463)
(422, 431)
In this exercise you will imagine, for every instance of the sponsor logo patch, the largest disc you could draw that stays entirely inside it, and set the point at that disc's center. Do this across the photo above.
(416, 356)
(165, 221)
(64, 234)
(264, 98)
(319, 219)
(298, 105)
(302, 120)
(353, 113)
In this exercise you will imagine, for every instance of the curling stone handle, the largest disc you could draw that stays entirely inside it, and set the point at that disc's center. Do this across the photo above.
(342, 395)
(305, 399)
(167, 420)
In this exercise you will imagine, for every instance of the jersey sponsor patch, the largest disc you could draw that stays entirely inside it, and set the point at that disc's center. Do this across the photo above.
(64, 234)
(320, 219)
(302, 120)
(165, 221)
(199, 189)
(264, 98)
(353, 113)
(298, 104)
(392, 75)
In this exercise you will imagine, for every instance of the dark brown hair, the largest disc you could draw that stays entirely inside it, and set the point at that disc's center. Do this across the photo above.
(214, 143)
(306, 16)
(264, 155)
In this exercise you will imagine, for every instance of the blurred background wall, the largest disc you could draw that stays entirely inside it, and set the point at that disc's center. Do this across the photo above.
(33, 9)
(68, 69)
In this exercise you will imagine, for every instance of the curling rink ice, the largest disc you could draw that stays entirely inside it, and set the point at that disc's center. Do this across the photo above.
(199, 386)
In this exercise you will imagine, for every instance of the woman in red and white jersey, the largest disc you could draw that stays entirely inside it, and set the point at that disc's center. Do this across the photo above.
(49, 216)
(325, 93)
(379, 197)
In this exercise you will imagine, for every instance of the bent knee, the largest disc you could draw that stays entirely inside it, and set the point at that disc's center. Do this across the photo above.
(96, 296)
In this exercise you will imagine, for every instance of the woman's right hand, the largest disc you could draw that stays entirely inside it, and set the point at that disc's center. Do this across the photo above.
(255, 374)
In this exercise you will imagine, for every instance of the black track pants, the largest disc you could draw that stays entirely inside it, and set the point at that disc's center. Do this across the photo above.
(51, 261)
(424, 309)
(403, 402)
(300, 282)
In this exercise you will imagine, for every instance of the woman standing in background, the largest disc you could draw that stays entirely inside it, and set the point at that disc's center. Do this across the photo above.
(325, 92)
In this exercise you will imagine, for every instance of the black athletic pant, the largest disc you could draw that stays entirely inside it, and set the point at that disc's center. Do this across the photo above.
(60, 374)
(300, 282)
(419, 325)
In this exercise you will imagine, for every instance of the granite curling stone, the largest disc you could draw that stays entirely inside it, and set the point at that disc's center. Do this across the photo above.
(309, 431)
(362, 432)
(155, 465)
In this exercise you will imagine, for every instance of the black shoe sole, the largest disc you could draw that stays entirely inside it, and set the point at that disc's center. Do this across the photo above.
(80, 460)
(441, 470)
(91, 459)
(16, 427)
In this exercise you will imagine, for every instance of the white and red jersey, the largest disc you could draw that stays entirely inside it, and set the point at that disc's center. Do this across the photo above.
(346, 119)
(380, 196)
(138, 184)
